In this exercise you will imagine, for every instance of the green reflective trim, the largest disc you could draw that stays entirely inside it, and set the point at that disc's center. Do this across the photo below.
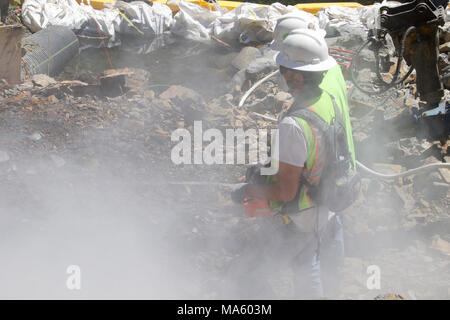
(275, 205)
(303, 202)
(311, 143)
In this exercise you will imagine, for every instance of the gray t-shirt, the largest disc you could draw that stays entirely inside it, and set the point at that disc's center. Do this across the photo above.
(291, 142)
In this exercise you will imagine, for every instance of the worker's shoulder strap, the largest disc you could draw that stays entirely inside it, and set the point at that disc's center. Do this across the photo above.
(312, 117)
(337, 112)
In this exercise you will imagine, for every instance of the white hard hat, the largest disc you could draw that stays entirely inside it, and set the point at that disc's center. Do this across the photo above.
(291, 21)
(304, 50)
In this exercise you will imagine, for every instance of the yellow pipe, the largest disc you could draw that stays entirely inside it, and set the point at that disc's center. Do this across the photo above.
(229, 5)
(97, 4)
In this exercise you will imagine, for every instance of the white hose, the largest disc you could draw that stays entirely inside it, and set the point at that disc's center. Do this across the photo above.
(360, 165)
(256, 85)
(373, 173)
(405, 173)
(264, 116)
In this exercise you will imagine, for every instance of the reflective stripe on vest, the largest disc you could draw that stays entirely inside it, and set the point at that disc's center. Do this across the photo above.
(316, 153)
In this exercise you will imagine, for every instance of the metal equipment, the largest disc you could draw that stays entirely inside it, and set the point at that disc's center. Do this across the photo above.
(413, 27)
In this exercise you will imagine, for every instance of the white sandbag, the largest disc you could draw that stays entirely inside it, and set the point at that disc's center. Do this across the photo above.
(39, 14)
(361, 17)
(247, 23)
(153, 20)
(251, 22)
(193, 21)
(337, 16)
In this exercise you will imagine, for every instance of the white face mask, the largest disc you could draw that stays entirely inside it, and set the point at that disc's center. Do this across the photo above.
(282, 84)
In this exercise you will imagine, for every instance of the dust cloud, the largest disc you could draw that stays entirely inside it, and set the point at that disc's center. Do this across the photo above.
(84, 182)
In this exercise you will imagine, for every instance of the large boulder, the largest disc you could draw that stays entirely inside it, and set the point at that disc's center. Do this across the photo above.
(245, 57)
(185, 102)
(223, 61)
(178, 94)
(260, 66)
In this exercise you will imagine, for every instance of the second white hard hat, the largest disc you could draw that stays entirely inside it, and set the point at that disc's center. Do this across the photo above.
(304, 50)
(292, 21)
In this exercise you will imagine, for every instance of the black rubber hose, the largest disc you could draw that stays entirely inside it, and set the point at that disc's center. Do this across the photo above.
(399, 62)
(352, 67)
(397, 71)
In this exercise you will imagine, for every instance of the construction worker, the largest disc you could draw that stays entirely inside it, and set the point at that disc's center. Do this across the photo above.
(313, 236)
(4, 6)
(333, 79)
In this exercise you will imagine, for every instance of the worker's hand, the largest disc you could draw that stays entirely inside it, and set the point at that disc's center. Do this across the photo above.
(239, 193)
(253, 174)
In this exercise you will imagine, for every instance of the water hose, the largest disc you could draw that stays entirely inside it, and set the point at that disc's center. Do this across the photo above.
(367, 170)
(405, 173)
(256, 85)
(388, 86)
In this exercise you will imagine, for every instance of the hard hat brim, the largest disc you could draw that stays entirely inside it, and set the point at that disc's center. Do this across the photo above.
(311, 67)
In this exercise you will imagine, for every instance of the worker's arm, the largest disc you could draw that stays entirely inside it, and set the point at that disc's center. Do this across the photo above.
(291, 156)
(285, 189)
